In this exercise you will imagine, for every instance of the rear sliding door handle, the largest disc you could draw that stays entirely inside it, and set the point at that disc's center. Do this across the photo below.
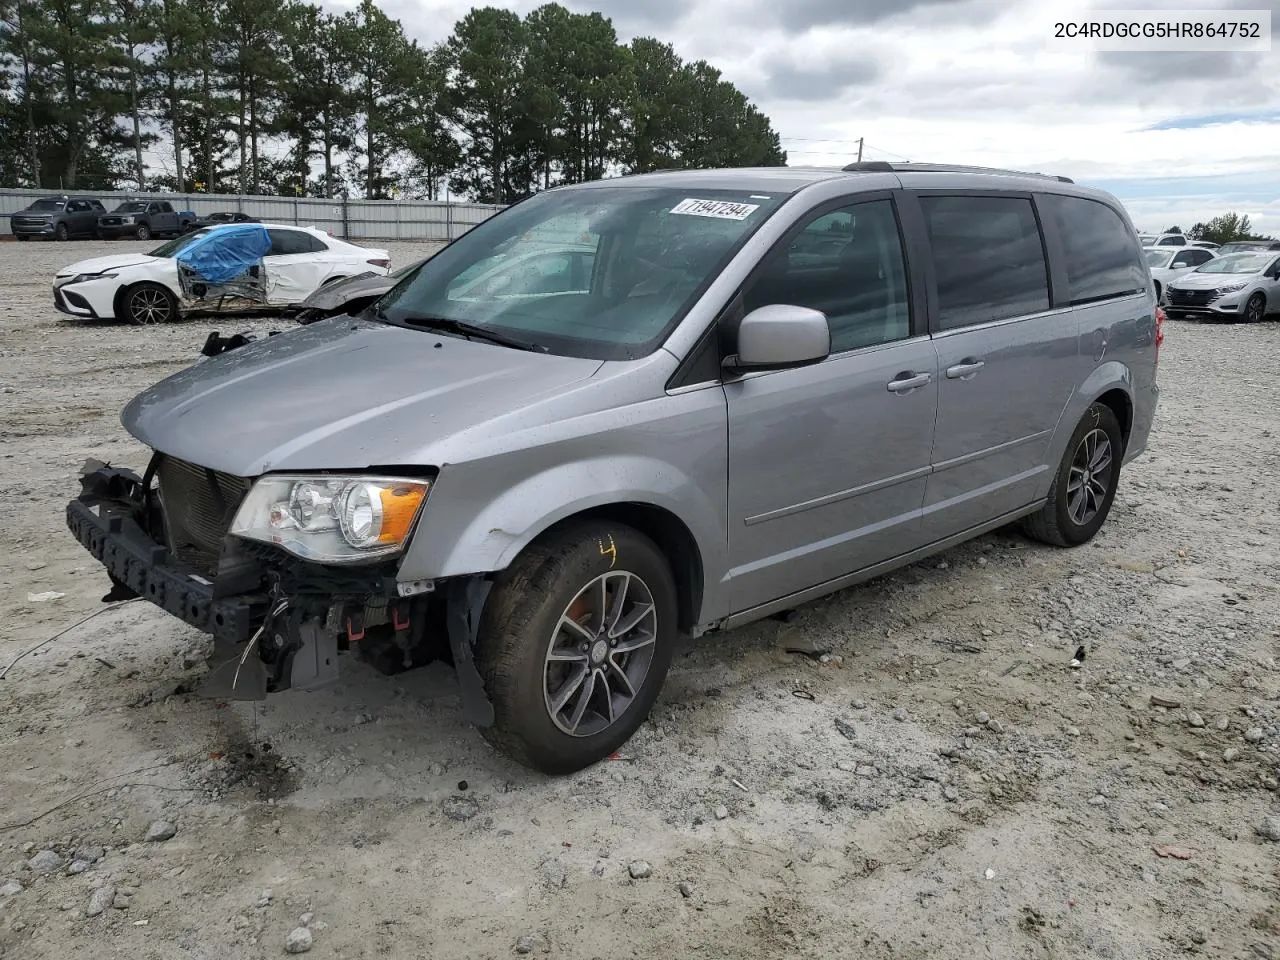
(965, 369)
(906, 382)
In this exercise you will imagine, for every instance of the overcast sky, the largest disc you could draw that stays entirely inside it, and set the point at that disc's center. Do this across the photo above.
(1179, 137)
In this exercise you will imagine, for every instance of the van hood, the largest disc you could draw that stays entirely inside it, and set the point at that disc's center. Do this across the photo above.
(340, 394)
(1211, 281)
(99, 264)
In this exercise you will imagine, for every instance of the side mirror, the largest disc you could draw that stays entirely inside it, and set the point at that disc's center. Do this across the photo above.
(781, 335)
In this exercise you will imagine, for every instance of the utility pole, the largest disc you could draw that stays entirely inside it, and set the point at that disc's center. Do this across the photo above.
(859, 149)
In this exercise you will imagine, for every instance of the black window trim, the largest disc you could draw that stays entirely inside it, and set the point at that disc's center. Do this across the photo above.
(732, 313)
(1050, 228)
(1050, 247)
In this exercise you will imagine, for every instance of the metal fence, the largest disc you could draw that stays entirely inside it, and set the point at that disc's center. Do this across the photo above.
(351, 219)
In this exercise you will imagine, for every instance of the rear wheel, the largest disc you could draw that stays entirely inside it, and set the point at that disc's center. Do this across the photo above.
(574, 644)
(1085, 484)
(149, 303)
(1255, 308)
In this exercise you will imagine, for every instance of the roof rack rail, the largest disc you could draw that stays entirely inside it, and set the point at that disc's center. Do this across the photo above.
(883, 166)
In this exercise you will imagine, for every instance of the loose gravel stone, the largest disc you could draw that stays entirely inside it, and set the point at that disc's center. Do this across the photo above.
(685, 888)
(460, 808)
(1222, 723)
(90, 854)
(529, 943)
(640, 869)
(1270, 828)
(299, 940)
(1230, 754)
(553, 874)
(46, 861)
(10, 889)
(722, 812)
(1195, 719)
(1253, 735)
(900, 714)
(160, 831)
(100, 899)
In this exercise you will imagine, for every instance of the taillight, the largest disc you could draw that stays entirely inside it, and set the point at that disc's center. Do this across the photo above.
(379, 263)
(1160, 318)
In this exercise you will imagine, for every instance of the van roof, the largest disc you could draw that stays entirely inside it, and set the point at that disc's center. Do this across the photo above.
(793, 179)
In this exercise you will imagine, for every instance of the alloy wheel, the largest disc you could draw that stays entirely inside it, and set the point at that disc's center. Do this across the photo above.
(148, 306)
(599, 653)
(1254, 307)
(1089, 478)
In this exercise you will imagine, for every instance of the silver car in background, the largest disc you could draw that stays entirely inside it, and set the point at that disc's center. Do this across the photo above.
(625, 411)
(1238, 286)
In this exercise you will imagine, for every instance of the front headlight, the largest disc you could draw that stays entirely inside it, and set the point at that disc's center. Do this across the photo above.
(332, 519)
(82, 277)
(1232, 287)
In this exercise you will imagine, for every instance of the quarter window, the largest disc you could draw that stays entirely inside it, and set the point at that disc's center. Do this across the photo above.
(988, 257)
(847, 263)
(1102, 259)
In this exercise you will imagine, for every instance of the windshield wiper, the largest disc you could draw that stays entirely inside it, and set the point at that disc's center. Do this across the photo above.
(464, 329)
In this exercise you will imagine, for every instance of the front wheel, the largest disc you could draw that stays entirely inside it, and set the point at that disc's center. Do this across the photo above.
(1255, 308)
(148, 304)
(574, 644)
(60, 232)
(143, 232)
(1085, 484)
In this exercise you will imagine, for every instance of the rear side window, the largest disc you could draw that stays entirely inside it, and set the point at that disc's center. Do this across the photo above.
(988, 257)
(1102, 259)
(285, 242)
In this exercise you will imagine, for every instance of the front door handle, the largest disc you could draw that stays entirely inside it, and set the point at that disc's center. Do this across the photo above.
(965, 369)
(908, 381)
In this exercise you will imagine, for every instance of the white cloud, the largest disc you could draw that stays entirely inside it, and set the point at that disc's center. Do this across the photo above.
(966, 81)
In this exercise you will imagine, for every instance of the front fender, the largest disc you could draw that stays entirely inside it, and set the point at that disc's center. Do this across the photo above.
(452, 540)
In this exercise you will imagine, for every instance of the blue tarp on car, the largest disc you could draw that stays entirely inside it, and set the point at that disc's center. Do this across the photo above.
(225, 253)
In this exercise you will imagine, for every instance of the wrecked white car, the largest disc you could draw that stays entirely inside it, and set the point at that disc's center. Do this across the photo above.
(232, 267)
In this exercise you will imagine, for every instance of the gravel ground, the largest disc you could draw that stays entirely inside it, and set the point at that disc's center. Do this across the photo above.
(944, 785)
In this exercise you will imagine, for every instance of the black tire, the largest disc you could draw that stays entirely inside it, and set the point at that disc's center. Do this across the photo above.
(22, 238)
(147, 304)
(521, 625)
(1060, 522)
(1255, 308)
(1159, 291)
(143, 232)
(60, 232)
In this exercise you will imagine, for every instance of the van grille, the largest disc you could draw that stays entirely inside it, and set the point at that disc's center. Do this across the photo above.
(199, 505)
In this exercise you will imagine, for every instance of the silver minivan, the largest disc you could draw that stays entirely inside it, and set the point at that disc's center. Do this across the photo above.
(622, 412)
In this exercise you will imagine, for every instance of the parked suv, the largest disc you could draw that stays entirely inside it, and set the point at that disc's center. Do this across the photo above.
(57, 218)
(723, 420)
(142, 220)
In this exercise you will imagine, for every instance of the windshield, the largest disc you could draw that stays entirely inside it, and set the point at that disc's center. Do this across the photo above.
(599, 272)
(135, 206)
(222, 217)
(1147, 238)
(1237, 263)
(1159, 258)
(176, 244)
(46, 205)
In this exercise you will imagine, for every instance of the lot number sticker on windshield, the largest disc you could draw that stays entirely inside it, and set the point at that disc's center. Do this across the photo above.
(721, 209)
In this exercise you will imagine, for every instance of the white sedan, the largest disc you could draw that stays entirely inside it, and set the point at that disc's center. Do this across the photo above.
(1169, 262)
(145, 288)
